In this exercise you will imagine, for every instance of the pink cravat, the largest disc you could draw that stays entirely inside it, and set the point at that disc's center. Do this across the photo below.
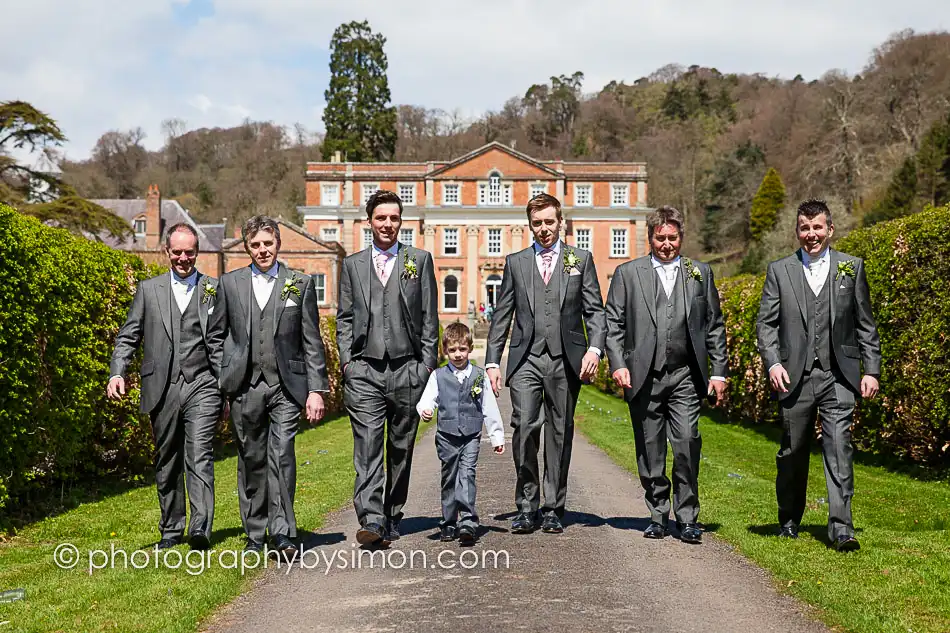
(547, 258)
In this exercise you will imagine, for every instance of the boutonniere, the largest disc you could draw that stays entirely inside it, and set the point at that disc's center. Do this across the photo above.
(845, 268)
(290, 286)
(208, 293)
(571, 260)
(477, 386)
(409, 269)
(691, 269)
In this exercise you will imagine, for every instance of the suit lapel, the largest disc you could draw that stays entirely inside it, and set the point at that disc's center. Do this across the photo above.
(364, 268)
(162, 290)
(796, 276)
(202, 306)
(278, 289)
(246, 293)
(402, 253)
(527, 262)
(688, 284)
(833, 286)
(648, 286)
(559, 270)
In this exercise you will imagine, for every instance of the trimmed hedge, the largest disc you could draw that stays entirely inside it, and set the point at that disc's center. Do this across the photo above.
(62, 302)
(907, 262)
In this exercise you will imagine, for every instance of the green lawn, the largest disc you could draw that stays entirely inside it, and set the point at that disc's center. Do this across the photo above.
(160, 600)
(898, 581)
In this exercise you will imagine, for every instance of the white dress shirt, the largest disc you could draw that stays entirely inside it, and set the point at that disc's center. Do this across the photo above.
(392, 251)
(493, 423)
(816, 269)
(263, 283)
(182, 289)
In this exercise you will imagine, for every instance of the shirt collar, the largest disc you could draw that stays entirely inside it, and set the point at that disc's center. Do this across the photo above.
(465, 371)
(807, 259)
(392, 250)
(555, 248)
(257, 272)
(658, 264)
(190, 280)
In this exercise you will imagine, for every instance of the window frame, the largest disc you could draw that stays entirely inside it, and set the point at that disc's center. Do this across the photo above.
(458, 241)
(614, 233)
(324, 187)
(589, 188)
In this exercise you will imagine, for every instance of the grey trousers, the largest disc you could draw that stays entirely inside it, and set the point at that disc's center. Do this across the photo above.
(380, 398)
(667, 407)
(183, 425)
(548, 382)
(821, 393)
(266, 419)
(459, 456)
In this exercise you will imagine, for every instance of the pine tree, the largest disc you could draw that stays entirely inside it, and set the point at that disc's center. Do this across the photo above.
(768, 201)
(359, 121)
(901, 195)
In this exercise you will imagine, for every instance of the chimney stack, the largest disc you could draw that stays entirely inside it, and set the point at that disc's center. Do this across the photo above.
(153, 218)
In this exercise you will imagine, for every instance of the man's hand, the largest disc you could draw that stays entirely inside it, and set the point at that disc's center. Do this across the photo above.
(589, 365)
(315, 407)
(426, 414)
(116, 388)
(779, 379)
(494, 375)
(869, 387)
(622, 378)
(718, 388)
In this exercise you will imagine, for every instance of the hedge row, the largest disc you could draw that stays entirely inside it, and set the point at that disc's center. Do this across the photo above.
(908, 268)
(62, 302)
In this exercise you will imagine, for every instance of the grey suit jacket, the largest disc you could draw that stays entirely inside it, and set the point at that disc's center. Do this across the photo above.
(581, 305)
(783, 331)
(149, 323)
(301, 358)
(418, 297)
(631, 322)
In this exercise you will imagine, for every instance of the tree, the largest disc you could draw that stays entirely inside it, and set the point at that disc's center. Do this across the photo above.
(552, 110)
(900, 195)
(766, 205)
(359, 121)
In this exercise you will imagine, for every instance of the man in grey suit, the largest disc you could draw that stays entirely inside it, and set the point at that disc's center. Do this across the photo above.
(169, 317)
(551, 291)
(815, 330)
(665, 336)
(387, 330)
(272, 365)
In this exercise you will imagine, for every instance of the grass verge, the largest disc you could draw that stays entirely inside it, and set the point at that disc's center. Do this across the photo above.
(158, 599)
(898, 581)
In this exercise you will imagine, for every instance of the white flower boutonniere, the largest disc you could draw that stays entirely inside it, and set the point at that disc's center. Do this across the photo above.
(571, 260)
(290, 286)
(845, 268)
(477, 386)
(691, 270)
(409, 269)
(208, 293)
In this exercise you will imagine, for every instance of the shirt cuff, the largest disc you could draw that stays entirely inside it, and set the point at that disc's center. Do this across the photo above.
(492, 366)
(719, 378)
(773, 367)
(115, 376)
(595, 350)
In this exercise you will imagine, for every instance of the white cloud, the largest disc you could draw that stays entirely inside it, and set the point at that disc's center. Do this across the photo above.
(114, 64)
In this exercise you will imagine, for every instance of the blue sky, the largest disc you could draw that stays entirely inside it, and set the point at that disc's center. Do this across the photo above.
(100, 65)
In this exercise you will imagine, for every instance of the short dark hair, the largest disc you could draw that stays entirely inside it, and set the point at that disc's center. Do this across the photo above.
(259, 223)
(665, 215)
(457, 332)
(181, 226)
(543, 201)
(814, 207)
(382, 196)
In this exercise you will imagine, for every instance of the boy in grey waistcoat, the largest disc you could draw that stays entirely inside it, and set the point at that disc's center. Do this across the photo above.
(464, 402)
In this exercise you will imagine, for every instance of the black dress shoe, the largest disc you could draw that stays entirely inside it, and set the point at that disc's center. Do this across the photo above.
(655, 530)
(524, 523)
(283, 546)
(393, 532)
(847, 544)
(168, 543)
(447, 533)
(199, 540)
(254, 546)
(371, 534)
(690, 533)
(789, 531)
(551, 524)
(466, 535)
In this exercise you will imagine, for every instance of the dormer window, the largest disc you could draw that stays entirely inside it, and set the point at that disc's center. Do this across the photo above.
(139, 227)
(494, 192)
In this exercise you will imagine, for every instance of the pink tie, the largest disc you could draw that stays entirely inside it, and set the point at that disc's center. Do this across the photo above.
(547, 258)
(381, 260)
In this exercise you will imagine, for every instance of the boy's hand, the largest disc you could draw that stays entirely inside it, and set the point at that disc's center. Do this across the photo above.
(499, 449)
(426, 414)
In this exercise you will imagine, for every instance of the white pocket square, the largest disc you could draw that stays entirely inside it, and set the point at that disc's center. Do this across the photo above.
(210, 309)
(574, 272)
(290, 303)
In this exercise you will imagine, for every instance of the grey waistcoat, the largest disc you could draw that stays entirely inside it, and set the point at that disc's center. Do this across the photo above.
(547, 311)
(672, 348)
(459, 413)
